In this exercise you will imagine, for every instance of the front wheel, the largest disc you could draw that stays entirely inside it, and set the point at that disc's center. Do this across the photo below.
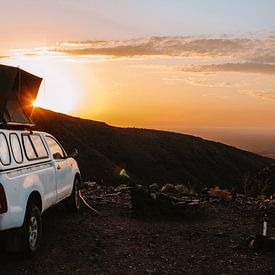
(73, 202)
(32, 229)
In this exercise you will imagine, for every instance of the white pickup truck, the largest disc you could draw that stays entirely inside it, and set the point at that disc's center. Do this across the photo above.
(35, 173)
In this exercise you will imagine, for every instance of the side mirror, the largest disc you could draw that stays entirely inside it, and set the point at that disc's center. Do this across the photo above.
(73, 153)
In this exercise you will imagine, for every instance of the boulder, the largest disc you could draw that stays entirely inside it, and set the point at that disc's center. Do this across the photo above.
(169, 188)
(154, 187)
(182, 189)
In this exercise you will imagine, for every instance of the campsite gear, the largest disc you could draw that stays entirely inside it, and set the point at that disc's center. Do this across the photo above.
(18, 90)
(262, 243)
(265, 224)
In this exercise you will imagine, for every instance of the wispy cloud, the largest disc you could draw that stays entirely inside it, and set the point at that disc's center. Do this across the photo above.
(204, 82)
(247, 67)
(263, 94)
(195, 81)
(232, 67)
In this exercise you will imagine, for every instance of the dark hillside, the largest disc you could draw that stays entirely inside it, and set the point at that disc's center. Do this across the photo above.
(148, 155)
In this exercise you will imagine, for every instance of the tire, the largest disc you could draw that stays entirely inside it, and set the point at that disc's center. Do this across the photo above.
(32, 229)
(73, 202)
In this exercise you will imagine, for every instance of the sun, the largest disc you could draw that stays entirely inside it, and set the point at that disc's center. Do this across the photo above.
(35, 103)
(60, 97)
(59, 89)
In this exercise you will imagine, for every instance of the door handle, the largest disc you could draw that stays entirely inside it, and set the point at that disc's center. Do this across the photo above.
(58, 167)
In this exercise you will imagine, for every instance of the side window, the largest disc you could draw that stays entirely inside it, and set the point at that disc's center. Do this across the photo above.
(16, 148)
(34, 147)
(39, 146)
(29, 150)
(4, 150)
(55, 148)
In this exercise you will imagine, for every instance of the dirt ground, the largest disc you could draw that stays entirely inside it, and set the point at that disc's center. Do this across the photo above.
(117, 243)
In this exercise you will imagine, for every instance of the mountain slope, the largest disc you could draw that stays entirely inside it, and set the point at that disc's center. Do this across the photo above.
(148, 155)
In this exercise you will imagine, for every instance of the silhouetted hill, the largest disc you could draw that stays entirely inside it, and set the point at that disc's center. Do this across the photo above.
(148, 155)
(262, 182)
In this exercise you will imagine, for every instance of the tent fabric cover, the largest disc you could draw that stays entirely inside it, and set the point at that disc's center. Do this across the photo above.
(18, 90)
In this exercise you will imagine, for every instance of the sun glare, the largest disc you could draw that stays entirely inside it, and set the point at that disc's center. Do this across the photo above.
(35, 104)
(60, 96)
(59, 90)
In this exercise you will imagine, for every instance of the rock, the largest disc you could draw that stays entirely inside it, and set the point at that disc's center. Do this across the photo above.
(169, 188)
(205, 191)
(154, 187)
(223, 194)
(92, 185)
(182, 189)
(110, 190)
(122, 187)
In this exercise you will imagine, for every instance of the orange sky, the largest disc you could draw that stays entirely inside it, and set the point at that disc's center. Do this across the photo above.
(175, 83)
(200, 67)
(195, 64)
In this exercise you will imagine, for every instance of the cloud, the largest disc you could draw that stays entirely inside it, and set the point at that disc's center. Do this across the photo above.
(113, 51)
(247, 67)
(117, 48)
(261, 50)
(204, 82)
(265, 58)
(265, 94)
(232, 67)
(174, 46)
(197, 81)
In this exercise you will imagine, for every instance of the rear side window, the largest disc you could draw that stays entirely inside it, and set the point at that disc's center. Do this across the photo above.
(16, 148)
(34, 147)
(39, 146)
(29, 150)
(4, 150)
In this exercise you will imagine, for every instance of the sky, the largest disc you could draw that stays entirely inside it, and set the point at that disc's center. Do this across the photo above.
(173, 65)
(47, 21)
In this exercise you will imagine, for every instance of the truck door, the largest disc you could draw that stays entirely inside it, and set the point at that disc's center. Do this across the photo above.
(63, 168)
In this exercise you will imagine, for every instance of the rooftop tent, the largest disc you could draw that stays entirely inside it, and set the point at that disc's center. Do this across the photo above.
(18, 90)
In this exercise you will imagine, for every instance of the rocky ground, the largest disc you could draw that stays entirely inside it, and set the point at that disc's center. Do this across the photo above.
(119, 243)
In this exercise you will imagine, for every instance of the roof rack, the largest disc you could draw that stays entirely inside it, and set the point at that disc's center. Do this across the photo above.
(17, 126)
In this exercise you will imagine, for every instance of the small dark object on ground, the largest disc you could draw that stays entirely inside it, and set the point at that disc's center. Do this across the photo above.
(261, 243)
(148, 203)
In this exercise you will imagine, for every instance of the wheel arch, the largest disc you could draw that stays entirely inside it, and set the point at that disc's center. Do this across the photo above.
(78, 176)
(35, 197)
